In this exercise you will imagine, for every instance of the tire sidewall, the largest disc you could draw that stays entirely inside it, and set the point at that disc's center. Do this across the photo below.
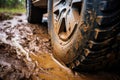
(64, 51)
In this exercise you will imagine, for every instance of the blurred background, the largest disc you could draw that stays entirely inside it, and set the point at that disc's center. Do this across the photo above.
(12, 6)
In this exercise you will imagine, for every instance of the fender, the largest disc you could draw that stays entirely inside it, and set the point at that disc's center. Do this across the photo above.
(44, 3)
(40, 3)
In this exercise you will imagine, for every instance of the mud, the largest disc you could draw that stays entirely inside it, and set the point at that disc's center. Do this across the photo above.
(26, 54)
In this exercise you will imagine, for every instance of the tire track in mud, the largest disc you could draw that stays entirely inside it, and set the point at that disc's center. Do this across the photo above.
(26, 53)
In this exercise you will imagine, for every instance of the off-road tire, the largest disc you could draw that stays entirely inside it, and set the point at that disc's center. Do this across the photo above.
(95, 40)
(34, 14)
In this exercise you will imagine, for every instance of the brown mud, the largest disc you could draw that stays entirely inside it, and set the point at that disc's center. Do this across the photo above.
(26, 54)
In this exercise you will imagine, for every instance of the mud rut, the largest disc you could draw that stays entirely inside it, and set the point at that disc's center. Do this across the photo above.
(26, 54)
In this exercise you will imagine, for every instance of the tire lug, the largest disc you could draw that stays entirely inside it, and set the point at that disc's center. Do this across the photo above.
(82, 58)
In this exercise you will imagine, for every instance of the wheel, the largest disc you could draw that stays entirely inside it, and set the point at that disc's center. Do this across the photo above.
(83, 32)
(34, 14)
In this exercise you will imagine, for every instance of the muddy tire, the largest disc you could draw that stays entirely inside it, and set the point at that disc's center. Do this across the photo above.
(84, 33)
(34, 14)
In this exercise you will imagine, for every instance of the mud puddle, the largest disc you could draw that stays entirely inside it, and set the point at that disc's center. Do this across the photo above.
(26, 54)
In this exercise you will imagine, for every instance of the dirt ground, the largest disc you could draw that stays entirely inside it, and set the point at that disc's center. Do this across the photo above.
(26, 54)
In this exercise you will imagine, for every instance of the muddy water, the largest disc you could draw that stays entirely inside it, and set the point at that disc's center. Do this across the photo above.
(26, 53)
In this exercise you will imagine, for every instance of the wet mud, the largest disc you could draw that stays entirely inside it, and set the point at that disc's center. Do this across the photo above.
(26, 54)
